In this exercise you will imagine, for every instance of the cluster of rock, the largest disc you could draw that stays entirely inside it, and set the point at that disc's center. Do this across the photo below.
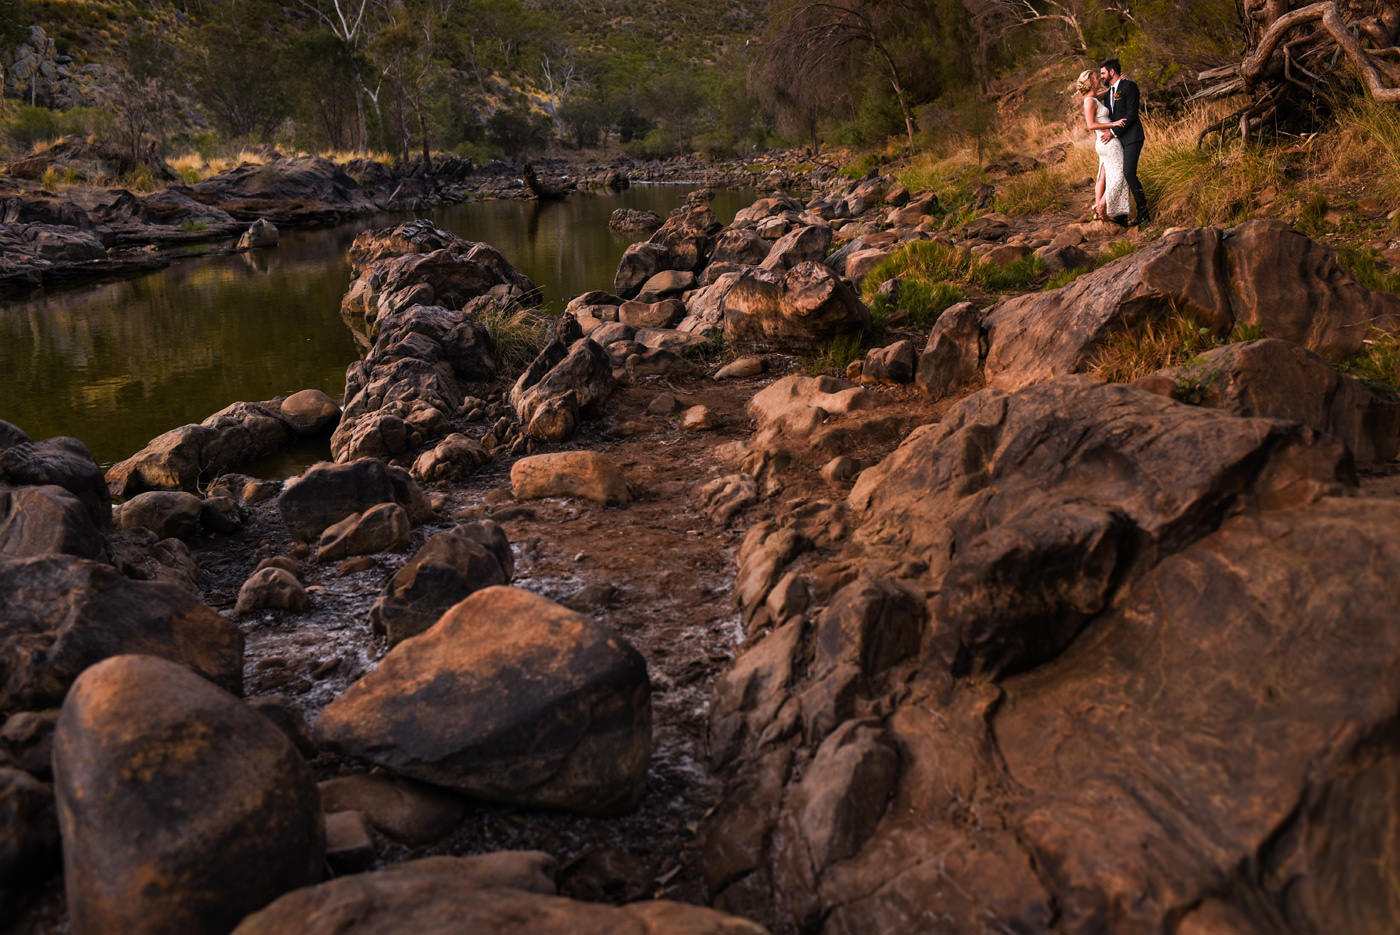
(1071, 656)
(38, 74)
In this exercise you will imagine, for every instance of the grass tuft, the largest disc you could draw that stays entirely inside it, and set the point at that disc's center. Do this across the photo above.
(834, 356)
(1378, 363)
(1128, 355)
(517, 336)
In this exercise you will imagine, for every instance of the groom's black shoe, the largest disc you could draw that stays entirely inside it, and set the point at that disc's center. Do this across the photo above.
(1121, 220)
(1140, 220)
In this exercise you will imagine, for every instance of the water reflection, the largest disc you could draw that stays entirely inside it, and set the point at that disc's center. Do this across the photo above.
(116, 364)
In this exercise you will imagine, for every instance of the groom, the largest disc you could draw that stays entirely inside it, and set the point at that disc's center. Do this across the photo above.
(1123, 105)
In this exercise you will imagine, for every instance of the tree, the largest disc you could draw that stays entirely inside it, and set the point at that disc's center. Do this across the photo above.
(1292, 51)
(406, 45)
(230, 56)
(350, 22)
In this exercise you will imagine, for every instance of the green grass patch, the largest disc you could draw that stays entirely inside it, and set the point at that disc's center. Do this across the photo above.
(1367, 268)
(192, 226)
(1128, 355)
(933, 276)
(1035, 192)
(1378, 363)
(834, 356)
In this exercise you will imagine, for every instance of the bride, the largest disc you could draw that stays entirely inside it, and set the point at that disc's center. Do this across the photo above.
(1111, 188)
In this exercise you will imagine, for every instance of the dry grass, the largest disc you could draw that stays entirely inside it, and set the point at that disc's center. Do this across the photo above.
(1127, 355)
(1364, 149)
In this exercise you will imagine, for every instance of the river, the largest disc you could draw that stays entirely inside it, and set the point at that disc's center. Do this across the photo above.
(117, 363)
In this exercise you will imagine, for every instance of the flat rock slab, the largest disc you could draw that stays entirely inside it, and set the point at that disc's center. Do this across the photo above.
(511, 698)
(181, 808)
(588, 474)
(503, 894)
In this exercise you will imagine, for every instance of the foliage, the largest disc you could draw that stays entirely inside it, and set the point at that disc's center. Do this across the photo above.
(834, 356)
(1155, 343)
(517, 336)
(1035, 192)
(1378, 363)
(933, 275)
(1366, 268)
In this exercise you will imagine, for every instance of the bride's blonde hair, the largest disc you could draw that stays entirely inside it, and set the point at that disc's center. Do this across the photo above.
(1081, 83)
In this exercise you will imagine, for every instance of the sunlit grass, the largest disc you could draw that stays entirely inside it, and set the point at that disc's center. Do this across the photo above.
(1378, 362)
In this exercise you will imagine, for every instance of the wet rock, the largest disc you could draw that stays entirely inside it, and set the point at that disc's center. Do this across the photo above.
(272, 589)
(45, 520)
(63, 462)
(26, 742)
(450, 567)
(327, 493)
(225, 808)
(406, 811)
(800, 308)
(310, 412)
(262, 233)
(509, 893)
(1279, 380)
(170, 514)
(63, 614)
(631, 219)
(382, 528)
(185, 457)
(29, 845)
(587, 474)
(455, 458)
(440, 707)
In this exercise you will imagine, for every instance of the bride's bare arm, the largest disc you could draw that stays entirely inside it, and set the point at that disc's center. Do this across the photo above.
(1091, 105)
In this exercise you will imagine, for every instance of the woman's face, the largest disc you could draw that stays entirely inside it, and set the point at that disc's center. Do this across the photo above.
(1094, 84)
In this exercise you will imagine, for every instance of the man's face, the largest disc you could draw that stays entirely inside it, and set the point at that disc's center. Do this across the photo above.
(1105, 76)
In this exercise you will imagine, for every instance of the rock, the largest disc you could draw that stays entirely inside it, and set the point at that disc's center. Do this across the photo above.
(892, 364)
(611, 332)
(1058, 258)
(310, 413)
(725, 497)
(913, 212)
(272, 589)
(640, 262)
(170, 514)
(1026, 553)
(741, 247)
(450, 567)
(286, 717)
(1278, 380)
(705, 306)
(26, 741)
(794, 394)
(700, 419)
(349, 846)
(800, 308)
(441, 707)
(664, 404)
(224, 808)
(665, 283)
(63, 462)
(406, 811)
(742, 367)
(551, 399)
(139, 555)
(860, 263)
(455, 458)
(47, 519)
(803, 245)
(29, 845)
(631, 219)
(606, 875)
(262, 233)
(186, 457)
(953, 356)
(64, 614)
(662, 314)
(1260, 273)
(503, 893)
(382, 528)
(327, 493)
(587, 474)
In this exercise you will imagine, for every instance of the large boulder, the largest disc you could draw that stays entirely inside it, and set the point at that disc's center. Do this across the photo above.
(451, 707)
(29, 846)
(801, 308)
(182, 809)
(450, 567)
(64, 462)
(185, 457)
(552, 402)
(504, 893)
(170, 514)
(1261, 273)
(327, 493)
(295, 190)
(803, 245)
(47, 519)
(1280, 380)
(61, 615)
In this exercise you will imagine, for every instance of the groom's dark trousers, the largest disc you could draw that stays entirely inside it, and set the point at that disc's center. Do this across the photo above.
(1123, 104)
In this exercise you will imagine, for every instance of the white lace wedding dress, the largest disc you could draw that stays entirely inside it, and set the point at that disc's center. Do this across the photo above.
(1115, 185)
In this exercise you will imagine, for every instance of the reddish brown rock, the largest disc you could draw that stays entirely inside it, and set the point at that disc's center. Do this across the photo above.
(326, 493)
(588, 474)
(224, 810)
(406, 811)
(382, 528)
(450, 707)
(800, 308)
(271, 589)
(61, 615)
(450, 567)
(47, 519)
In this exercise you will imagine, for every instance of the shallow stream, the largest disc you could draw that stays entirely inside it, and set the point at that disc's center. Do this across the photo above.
(117, 363)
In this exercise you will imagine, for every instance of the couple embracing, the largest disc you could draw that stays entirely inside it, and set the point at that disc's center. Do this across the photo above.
(1111, 112)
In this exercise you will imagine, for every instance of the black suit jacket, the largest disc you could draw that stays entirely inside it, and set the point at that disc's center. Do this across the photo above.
(1125, 107)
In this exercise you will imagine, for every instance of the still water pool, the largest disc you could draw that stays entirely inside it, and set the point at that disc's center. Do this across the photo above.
(117, 363)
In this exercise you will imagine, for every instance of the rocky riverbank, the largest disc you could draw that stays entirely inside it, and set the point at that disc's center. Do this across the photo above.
(970, 641)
